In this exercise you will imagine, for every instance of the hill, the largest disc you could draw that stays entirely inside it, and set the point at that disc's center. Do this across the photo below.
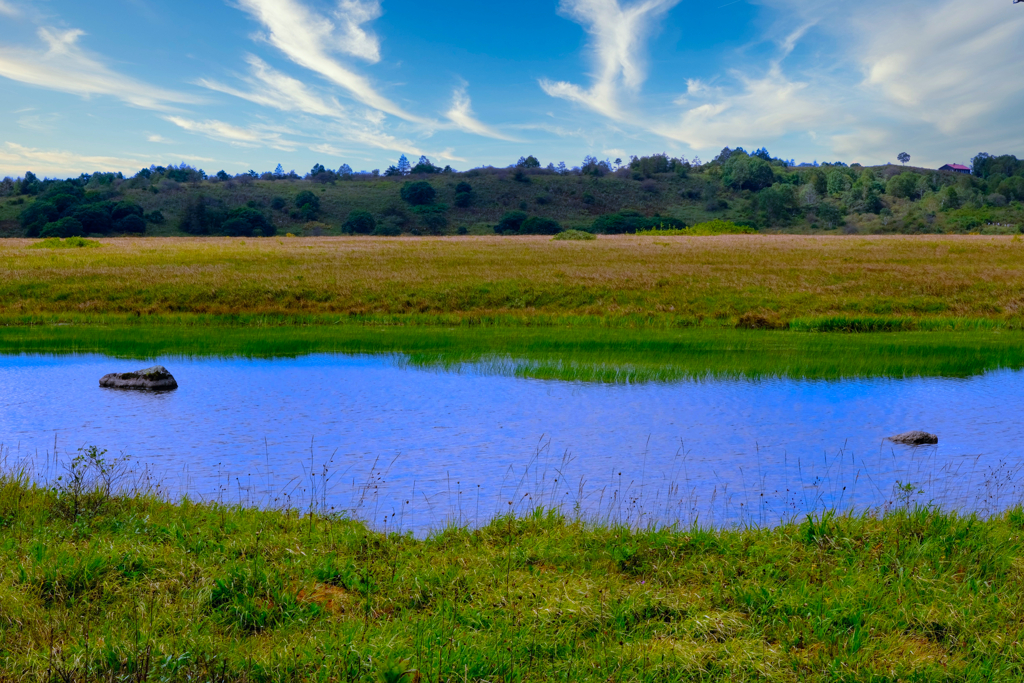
(656, 191)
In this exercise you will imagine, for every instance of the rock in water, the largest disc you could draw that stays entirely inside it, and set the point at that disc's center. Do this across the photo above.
(155, 378)
(915, 439)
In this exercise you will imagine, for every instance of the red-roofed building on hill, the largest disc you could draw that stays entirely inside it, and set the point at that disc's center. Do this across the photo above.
(956, 168)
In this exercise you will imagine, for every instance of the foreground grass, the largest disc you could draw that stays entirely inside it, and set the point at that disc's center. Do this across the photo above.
(667, 281)
(587, 352)
(135, 589)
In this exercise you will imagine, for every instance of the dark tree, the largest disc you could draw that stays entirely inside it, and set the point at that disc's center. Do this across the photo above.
(247, 222)
(528, 162)
(308, 205)
(510, 223)
(535, 225)
(903, 158)
(419, 193)
(360, 223)
(131, 224)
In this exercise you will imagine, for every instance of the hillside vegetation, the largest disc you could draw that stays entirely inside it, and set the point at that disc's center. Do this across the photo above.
(753, 191)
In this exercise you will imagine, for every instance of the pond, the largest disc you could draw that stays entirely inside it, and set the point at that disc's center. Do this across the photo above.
(415, 448)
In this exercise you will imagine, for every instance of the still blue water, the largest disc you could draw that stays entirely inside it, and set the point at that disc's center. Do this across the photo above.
(416, 447)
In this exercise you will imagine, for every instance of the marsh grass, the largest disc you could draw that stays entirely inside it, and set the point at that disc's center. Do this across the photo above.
(616, 280)
(145, 590)
(577, 353)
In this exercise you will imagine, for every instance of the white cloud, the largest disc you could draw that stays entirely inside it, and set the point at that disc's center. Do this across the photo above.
(461, 114)
(354, 40)
(64, 66)
(271, 88)
(309, 39)
(945, 63)
(159, 139)
(617, 37)
(762, 108)
(16, 159)
(8, 9)
(243, 137)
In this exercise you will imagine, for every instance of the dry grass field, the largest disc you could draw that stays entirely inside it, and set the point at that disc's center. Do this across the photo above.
(671, 280)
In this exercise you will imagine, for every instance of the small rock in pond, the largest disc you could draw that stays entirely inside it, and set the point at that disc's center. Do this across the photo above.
(155, 378)
(915, 439)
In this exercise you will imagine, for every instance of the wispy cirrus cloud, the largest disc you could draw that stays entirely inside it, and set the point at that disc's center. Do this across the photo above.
(461, 114)
(8, 9)
(61, 162)
(256, 136)
(754, 107)
(271, 88)
(66, 67)
(617, 35)
(310, 40)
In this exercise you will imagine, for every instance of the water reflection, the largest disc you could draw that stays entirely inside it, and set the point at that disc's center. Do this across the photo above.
(416, 447)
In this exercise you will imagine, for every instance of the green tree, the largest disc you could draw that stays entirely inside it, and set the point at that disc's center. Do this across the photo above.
(528, 162)
(778, 203)
(535, 225)
(433, 217)
(194, 219)
(131, 224)
(64, 227)
(905, 186)
(742, 172)
(419, 193)
(903, 158)
(247, 222)
(837, 182)
(34, 218)
(360, 223)
(511, 222)
(308, 205)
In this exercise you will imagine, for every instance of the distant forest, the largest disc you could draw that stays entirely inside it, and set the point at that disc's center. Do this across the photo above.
(753, 190)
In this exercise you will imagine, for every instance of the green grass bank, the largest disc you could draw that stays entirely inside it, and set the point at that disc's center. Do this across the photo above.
(96, 586)
(580, 353)
(618, 307)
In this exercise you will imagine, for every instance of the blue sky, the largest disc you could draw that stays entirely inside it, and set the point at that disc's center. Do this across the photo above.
(121, 84)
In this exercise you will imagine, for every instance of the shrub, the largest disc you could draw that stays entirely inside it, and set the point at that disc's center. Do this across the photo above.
(510, 223)
(619, 223)
(131, 224)
(360, 223)
(463, 187)
(278, 203)
(194, 220)
(157, 216)
(308, 205)
(94, 217)
(34, 218)
(69, 243)
(387, 229)
(125, 209)
(710, 228)
(535, 225)
(247, 222)
(419, 193)
(575, 235)
(433, 218)
(64, 227)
